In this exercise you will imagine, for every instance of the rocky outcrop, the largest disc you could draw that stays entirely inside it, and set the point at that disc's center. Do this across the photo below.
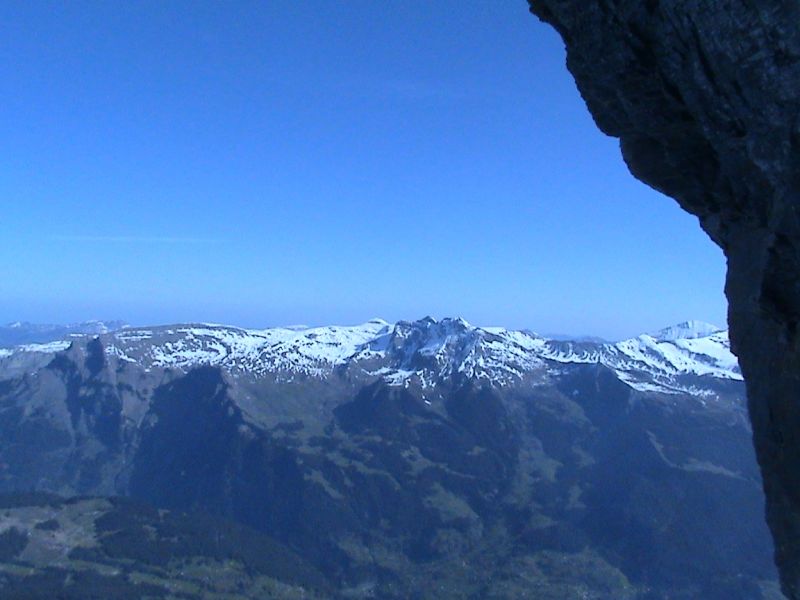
(705, 99)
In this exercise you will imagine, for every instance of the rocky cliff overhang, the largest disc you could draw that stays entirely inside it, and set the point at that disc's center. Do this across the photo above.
(704, 97)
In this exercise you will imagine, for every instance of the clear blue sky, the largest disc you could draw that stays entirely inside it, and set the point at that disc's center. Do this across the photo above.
(309, 161)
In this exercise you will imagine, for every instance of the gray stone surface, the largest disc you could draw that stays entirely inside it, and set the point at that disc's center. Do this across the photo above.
(703, 96)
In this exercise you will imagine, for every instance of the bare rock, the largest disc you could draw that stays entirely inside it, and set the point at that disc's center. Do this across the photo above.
(705, 99)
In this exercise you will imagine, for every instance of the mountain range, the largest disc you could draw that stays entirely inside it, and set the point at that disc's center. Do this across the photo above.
(18, 333)
(420, 459)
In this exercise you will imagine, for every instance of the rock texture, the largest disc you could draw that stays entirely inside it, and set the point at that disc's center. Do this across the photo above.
(705, 99)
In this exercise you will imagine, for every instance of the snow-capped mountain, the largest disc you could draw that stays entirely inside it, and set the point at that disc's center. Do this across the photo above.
(688, 330)
(414, 447)
(424, 352)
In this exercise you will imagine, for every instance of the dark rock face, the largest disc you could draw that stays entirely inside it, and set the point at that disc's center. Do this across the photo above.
(705, 99)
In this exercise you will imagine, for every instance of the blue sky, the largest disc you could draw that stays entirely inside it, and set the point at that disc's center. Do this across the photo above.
(305, 161)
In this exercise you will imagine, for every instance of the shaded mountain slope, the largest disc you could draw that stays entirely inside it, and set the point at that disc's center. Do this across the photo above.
(427, 459)
(94, 548)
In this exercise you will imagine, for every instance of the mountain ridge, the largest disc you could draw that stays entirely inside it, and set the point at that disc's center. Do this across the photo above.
(22, 332)
(419, 352)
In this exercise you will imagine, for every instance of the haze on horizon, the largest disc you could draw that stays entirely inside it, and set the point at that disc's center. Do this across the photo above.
(313, 162)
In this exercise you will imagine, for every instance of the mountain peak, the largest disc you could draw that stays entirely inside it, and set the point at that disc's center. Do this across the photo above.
(688, 330)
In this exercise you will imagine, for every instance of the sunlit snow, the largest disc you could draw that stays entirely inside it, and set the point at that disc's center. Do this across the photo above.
(423, 352)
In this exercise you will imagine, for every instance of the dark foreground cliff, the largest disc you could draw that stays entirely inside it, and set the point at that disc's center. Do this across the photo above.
(704, 99)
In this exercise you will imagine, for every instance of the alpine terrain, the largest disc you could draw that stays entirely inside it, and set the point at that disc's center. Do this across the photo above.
(424, 459)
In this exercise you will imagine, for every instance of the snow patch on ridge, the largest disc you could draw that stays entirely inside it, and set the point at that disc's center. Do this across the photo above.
(687, 330)
(53, 347)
